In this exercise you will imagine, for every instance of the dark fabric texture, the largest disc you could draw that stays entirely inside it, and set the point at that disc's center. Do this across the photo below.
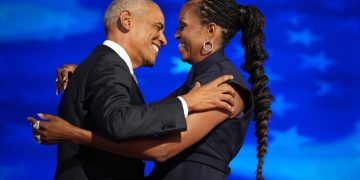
(209, 159)
(103, 97)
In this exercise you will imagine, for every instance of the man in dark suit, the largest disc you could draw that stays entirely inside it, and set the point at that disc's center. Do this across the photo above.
(103, 95)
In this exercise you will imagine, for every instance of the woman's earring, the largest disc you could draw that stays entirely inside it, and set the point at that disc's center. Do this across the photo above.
(208, 46)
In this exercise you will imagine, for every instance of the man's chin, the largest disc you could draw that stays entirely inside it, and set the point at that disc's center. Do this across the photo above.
(149, 64)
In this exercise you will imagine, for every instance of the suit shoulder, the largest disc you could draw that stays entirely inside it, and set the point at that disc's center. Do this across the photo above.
(106, 58)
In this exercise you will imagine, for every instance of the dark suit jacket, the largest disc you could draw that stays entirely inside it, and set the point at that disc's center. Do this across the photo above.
(103, 97)
(209, 158)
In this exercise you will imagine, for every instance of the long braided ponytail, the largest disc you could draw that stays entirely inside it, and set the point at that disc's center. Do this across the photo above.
(250, 21)
(255, 55)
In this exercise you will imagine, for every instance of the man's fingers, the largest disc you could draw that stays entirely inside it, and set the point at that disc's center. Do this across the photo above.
(222, 79)
(227, 89)
(228, 98)
(225, 106)
(197, 85)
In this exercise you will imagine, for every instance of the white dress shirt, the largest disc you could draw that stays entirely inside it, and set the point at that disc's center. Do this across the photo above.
(124, 55)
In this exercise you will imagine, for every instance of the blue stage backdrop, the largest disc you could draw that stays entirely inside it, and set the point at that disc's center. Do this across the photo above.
(313, 67)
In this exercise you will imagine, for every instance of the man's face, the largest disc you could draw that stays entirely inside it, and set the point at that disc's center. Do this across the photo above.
(148, 36)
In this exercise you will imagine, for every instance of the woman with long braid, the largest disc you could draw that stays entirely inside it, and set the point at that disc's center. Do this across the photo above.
(205, 28)
(223, 143)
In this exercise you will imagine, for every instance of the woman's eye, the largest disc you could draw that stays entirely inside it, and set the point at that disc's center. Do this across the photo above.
(180, 27)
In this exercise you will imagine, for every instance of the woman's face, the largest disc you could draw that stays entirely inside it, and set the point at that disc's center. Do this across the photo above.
(190, 34)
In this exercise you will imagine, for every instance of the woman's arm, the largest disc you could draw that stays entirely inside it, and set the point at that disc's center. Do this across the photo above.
(151, 148)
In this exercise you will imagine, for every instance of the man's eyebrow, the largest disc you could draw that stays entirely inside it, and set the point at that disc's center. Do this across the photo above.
(160, 25)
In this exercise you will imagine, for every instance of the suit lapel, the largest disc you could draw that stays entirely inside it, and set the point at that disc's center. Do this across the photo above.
(137, 93)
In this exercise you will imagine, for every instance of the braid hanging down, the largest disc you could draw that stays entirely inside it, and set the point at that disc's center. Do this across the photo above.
(250, 21)
(255, 55)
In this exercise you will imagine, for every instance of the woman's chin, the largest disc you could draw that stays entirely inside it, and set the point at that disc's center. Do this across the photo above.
(184, 56)
(185, 59)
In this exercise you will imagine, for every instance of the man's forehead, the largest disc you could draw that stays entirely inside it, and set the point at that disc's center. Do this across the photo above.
(156, 13)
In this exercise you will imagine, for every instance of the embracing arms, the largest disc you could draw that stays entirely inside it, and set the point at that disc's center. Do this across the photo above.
(160, 148)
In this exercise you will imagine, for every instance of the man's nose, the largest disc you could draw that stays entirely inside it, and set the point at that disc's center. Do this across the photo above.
(163, 39)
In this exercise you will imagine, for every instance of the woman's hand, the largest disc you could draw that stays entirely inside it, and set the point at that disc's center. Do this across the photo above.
(62, 76)
(53, 130)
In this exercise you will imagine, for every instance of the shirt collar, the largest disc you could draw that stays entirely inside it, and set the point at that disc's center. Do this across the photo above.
(121, 52)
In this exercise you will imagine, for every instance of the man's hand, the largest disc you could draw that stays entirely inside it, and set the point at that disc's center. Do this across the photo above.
(52, 131)
(62, 76)
(215, 94)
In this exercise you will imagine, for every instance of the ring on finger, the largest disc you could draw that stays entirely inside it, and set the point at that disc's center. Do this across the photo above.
(37, 138)
(36, 125)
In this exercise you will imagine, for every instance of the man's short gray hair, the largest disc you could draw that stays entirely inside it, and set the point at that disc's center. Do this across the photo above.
(135, 7)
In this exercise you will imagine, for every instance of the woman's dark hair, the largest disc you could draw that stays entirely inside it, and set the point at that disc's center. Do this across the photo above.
(233, 18)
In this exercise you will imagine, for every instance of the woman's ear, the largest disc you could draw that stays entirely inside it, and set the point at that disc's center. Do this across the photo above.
(124, 21)
(211, 27)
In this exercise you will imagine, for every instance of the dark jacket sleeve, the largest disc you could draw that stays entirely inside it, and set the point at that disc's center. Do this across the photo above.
(238, 83)
(109, 89)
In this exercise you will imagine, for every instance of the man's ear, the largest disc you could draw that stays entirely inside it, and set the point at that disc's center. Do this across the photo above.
(124, 21)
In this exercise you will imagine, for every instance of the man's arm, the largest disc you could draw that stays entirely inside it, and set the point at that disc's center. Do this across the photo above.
(159, 149)
(63, 77)
(109, 96)
(110, 92)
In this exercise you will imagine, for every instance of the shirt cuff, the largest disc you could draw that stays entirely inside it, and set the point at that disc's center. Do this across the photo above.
(185, 106)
